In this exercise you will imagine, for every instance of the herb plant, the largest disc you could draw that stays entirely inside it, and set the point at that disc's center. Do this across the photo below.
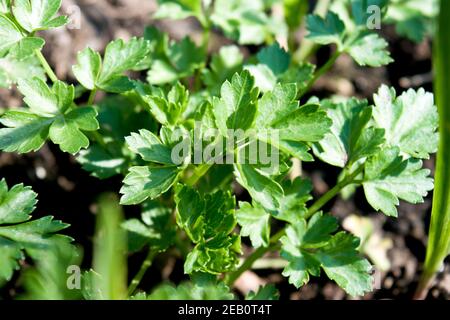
(183, 138)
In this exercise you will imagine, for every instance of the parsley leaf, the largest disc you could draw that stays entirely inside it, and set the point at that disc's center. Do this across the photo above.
(147, 182)
(13, 69)
(247, 22)
(389, 178)
(209, 222)
(309, 247)
(325, 31)
(236, 109)
(13, 41)
(50, 114)
(177, 60)
(223, 66)
(155, 228)
(35, 15)
(18, 235)
(192, 291)
(275, 57)
(178, 9)
(370, 50)
(352, 137)
(410, 120)
(255, 224)
(267, 292)
(107, 75)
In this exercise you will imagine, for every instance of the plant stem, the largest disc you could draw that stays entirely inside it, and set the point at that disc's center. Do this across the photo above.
(91, 99)
(144, 267)
(199, 172)
(258, 253)
(438, 246)
(330, 194)
(46, 66)
(322, 70)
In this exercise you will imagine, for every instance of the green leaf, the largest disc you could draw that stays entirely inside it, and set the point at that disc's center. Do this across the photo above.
(167, 108)
(223, 65)
(179, 60)
(149, 147)
(87, 70)
(275, 57)
(263, 189)
(287, 126)
(155, 228)
(267, 292)
(247, 22)
(254, 222)
(192, 291)
(35, 15)
(293, 203)
(18, 235)
(351, 137)
(16, 204)
(309, 247)
(66, 131)
(389, 178)
(25, 131)
(236, 109)
(190, 210)
(120, 57)
(276, 105)
(209, 222)
(143, 183)
(118, 117)
(265, 79)
(39, 97)
(325, 31)
(103, 162)
(178, 9)
(14, 42)
(370, 50)
(107, 75)
(410, 120)
(300, 74)
(51, 115)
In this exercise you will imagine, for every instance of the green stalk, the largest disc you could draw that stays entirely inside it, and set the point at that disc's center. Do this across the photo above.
(199, 172)
(45, 65)
(91, 98)
(143, 269)
(110, 248)
(322, 70)
(258, 253)
(439, 233)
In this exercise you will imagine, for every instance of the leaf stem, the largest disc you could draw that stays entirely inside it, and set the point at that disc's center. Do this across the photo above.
(91, 98)
(45, 65)
(198, 173)
(322, 70)
(330, 194)
(258, 253)
(144, 267)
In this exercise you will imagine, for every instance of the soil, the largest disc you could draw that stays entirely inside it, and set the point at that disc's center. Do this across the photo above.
(69, 193)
